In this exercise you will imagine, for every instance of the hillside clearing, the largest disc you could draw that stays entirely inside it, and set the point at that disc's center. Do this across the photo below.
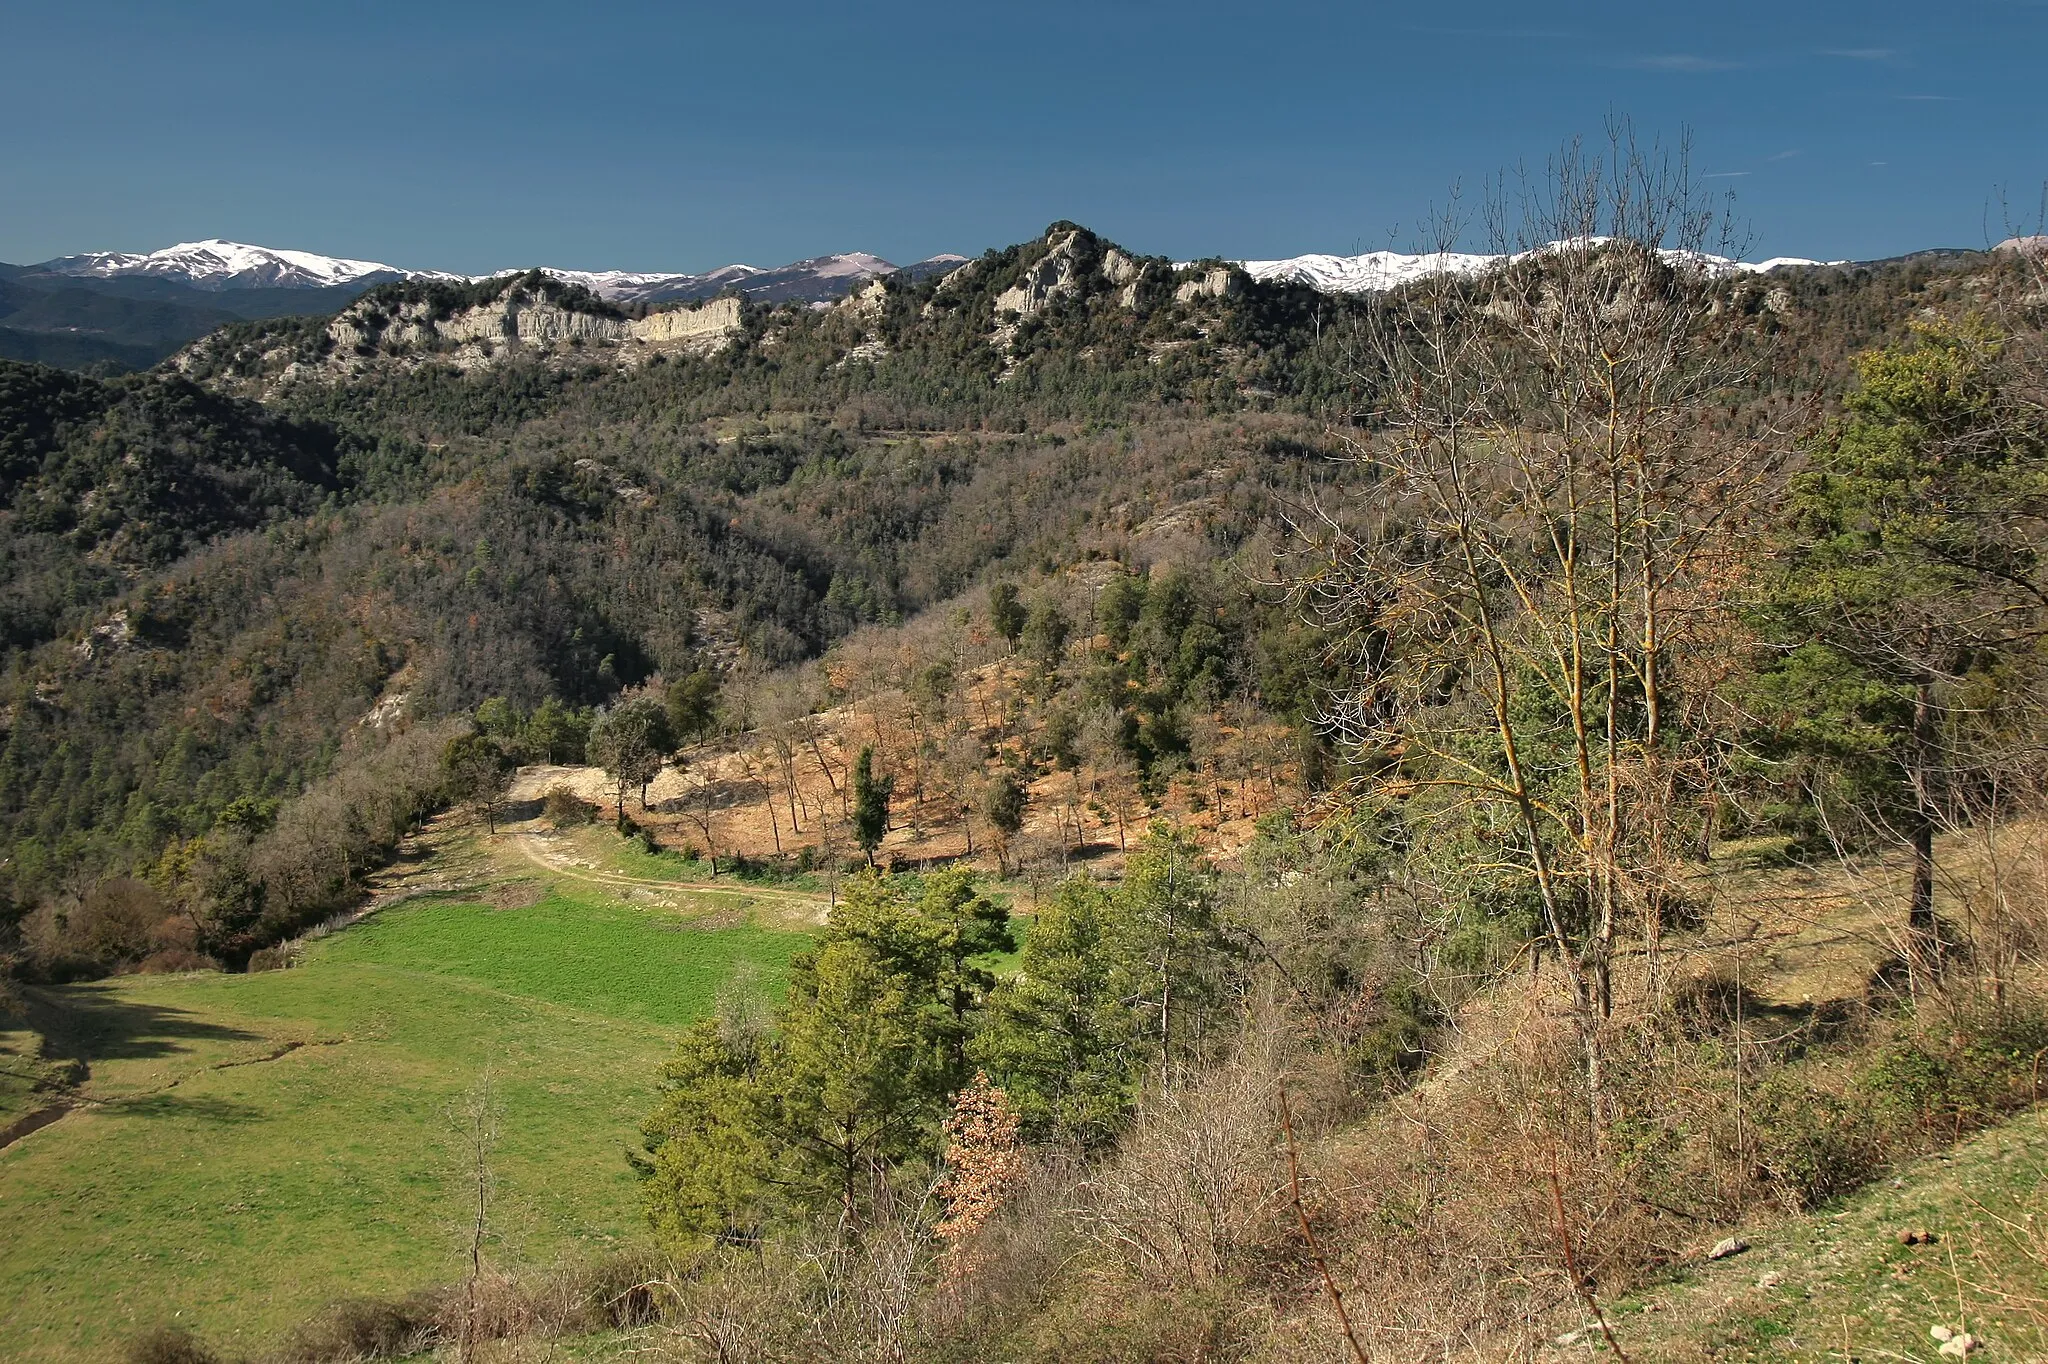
(245, 1148)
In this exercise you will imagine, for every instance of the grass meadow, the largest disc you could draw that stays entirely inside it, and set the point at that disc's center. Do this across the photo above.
(250, 1147)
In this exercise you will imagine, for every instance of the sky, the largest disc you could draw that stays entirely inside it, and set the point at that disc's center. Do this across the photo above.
(677, 136)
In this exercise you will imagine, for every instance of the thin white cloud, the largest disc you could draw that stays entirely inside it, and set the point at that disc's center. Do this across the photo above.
(1860, 54)
(1784, 155)
(1724, 175)
(1508, 34)
(1929, 99)
(1679, 61)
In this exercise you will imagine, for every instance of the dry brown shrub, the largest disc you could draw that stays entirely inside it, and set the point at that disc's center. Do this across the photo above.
(1439, 1212)
(169, 1345)
(1194, 1186)
(1118, 1322)
(368, 1328)
(822, 1293)
(170, 960)
(1019, 1253)
(983, 1165)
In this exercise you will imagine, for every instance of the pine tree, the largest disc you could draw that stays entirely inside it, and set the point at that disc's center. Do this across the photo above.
(1005, 611)
(1057, 1038)
(870, 804)
(1908, 576)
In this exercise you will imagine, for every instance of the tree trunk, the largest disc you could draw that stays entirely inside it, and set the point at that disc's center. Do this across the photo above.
(1922, 932)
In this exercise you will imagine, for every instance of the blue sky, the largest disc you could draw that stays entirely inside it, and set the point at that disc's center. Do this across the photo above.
(679, 136)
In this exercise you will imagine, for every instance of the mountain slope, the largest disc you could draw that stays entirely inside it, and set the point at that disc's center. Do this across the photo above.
(217, 265)
(1379, 271)
(459, 496)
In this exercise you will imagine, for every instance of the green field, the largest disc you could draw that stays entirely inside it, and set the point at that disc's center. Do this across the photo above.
(254, 1146)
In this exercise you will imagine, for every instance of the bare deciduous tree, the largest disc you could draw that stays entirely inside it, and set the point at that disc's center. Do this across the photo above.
(1547, 540)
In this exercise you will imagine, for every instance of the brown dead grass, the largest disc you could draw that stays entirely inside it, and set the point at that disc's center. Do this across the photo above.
(1066, 824)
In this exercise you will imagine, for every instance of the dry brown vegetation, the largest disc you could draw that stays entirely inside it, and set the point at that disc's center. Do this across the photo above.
(780, 791)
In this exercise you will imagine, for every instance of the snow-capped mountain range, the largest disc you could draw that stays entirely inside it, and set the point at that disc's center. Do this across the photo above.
(217, 266)
(1377, 271)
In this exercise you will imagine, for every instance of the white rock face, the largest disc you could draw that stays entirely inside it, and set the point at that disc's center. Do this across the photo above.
(1218, 283)
(714, 322)
(867, 301)
(520, 318)
(1047, 281)
(520, 322)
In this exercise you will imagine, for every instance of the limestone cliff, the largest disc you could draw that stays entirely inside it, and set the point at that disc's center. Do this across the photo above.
(406, 327)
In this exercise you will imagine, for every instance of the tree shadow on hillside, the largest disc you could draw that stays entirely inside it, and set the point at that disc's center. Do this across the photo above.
(519, 811)
(723, 794)
(179, 1106)
(83, 1025)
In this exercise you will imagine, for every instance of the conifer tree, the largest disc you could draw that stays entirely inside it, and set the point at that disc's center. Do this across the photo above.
(870, 804)
(1907, 580)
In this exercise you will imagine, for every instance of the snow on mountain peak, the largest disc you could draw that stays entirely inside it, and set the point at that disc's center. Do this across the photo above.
(216, 264)
(1378, 271)
(818, 277)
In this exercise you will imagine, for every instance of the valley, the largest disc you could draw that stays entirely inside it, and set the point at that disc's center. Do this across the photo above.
(1064, 805)
(252, 1147)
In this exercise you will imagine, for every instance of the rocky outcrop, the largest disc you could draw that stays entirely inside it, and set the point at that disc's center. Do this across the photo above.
(525, 320)
(866, 302)
(1053, 276)
(707, 326)
(1221, 282)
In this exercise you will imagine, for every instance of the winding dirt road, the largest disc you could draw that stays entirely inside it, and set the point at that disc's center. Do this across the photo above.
(534, 847)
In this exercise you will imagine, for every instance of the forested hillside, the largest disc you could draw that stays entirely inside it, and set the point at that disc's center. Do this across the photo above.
(1460, 674)
(207, 595)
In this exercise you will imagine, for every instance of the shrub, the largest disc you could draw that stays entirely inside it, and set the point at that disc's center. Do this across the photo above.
(170, 1345)
(1812, 1146)
(619, 1292)
(1950, 1079)
(173, 959)
(367, 1328)
(564, 809)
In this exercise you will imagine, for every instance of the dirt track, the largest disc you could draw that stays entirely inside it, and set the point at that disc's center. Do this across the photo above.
(534, 847)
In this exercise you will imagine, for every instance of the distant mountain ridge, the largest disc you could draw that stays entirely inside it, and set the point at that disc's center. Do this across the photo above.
(217, 266)
(129, 310)
(1378, 271)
